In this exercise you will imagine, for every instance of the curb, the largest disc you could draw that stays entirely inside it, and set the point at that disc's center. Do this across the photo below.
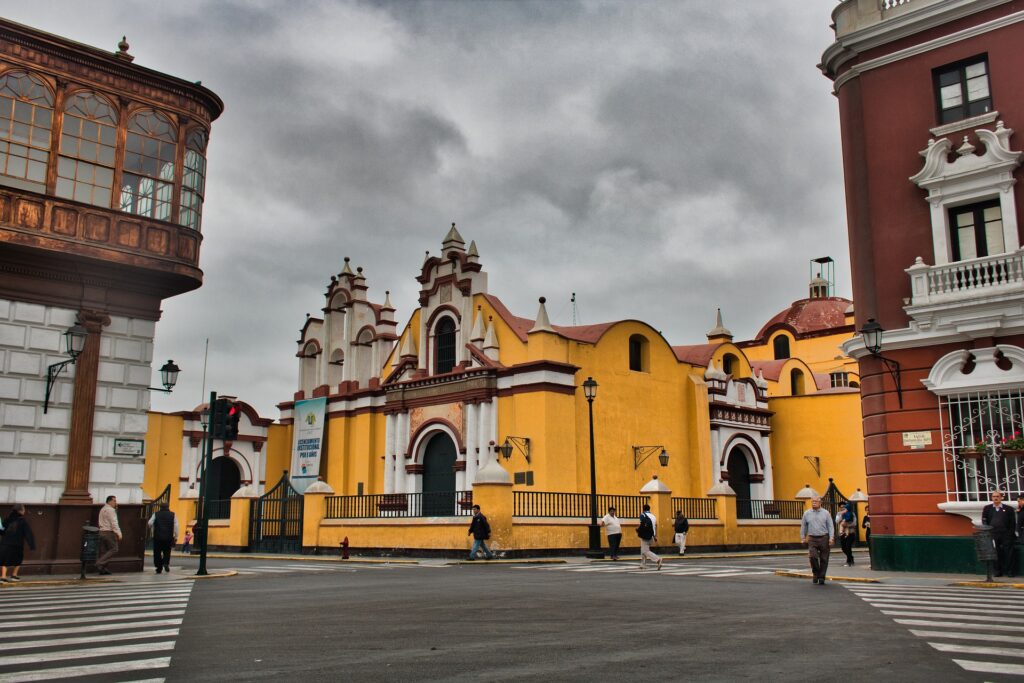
(56, 582)
(511, 561)
(806, 575)
(298, 558)
(213, 575)
(988, 584)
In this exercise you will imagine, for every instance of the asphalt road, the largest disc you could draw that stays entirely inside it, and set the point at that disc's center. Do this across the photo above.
(542, 622)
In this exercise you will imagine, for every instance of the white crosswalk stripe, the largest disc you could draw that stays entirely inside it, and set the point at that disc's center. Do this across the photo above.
(61, 632)
(701, 570)
(970, 624)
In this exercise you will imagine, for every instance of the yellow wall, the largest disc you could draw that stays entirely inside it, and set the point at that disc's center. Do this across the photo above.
(826, 425)
(163, 455)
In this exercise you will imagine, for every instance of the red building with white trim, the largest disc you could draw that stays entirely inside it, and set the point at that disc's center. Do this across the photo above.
(929, 95)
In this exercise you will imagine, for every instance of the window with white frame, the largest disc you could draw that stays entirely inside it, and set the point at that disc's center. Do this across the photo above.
(982, 444)
(839, 379)
(962, 89)
(976, 230)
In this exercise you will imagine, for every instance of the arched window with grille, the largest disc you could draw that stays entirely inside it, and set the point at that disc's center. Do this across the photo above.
(444, 342)
(147, 185)
(193, 181)
(88, 141)
(26, 116)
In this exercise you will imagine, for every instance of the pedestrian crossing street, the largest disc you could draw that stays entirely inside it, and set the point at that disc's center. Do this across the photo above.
(324, 567)
(980, 629)
(668, 569)
(124, 633)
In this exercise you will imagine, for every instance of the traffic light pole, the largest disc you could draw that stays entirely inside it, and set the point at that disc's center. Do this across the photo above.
(204, 491)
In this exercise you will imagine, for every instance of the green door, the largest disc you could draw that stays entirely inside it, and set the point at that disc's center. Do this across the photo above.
(439, 477)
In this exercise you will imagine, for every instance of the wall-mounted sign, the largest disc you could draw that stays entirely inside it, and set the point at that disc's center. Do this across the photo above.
(134, 447)
(917, 440)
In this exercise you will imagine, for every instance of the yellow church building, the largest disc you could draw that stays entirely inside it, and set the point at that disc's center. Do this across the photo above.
(393, 433)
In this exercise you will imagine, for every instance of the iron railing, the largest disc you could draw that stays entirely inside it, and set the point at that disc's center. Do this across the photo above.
(695, 508)
(547, 504)
(769, 509)
(219, 509)
(432, 504)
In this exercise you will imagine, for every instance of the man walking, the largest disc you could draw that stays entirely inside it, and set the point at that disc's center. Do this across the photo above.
(480, 530)
(110, 534)
(681, 527)
(647, 530)
(165, 535)
(818, 532)
(1002, 520)
(613, 527)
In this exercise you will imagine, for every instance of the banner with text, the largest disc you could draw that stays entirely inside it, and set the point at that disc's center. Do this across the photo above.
(307, 442)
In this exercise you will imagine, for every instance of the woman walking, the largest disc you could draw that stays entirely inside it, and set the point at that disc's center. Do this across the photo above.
(16, 534)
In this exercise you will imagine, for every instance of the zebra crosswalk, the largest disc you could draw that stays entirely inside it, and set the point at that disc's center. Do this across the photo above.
(702, 570)
(969, 624)
(123, 633)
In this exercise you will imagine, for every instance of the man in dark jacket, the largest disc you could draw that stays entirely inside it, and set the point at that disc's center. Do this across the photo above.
(480, 530)
(165, 534)
(1003, 522)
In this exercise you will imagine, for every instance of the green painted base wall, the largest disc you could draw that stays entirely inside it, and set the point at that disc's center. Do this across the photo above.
(944, 554)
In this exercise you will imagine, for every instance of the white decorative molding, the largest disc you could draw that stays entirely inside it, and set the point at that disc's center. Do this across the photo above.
(969, 177)
(947, 376)
(849, 46)
(971, 511)
(964, 124)
(655, 485)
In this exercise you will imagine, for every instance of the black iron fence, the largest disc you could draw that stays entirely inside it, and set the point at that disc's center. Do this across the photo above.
(695, 508)
(219, 509)
(769, 509)
(545, 504)
(432, 504)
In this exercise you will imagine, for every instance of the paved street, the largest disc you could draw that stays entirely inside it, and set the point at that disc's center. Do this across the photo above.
(321, 619)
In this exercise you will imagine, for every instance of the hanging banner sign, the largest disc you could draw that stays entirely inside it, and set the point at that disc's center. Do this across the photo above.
(307, 442)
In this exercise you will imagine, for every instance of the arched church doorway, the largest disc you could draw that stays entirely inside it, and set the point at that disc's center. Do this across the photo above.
(224, 479)
(739, 480)
(439, 476)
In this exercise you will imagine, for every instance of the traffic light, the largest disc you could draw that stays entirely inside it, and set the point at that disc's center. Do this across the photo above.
(234, 414)
(219, 418)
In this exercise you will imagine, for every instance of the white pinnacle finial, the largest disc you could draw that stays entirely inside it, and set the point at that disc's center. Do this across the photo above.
(542, 324)
(719, 330)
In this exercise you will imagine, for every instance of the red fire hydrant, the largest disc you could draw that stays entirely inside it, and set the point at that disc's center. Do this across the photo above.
(344, 548)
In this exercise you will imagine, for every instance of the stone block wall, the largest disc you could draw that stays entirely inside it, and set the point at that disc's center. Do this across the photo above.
(34, 445)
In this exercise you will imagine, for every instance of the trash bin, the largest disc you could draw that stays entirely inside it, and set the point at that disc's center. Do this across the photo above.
(985, 546)
(90, 546)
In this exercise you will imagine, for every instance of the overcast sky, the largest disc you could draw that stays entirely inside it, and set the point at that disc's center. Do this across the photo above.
(660, 159)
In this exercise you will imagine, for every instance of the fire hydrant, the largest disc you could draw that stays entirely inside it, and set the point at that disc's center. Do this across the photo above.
(344, 548)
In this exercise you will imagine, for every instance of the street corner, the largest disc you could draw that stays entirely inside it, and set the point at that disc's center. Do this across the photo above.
(987, 584)
(215, 574)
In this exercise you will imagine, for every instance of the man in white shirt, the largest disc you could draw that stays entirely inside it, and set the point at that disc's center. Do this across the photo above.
(110, 534)
(613, 527)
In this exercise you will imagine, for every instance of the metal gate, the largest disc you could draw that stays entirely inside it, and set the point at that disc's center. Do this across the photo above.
(833, 500)
(275, 520)
(148, 510)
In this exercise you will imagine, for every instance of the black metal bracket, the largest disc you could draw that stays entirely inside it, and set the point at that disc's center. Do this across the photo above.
(522, 444)
(51, 377)
(893, 367)
(164, 391)
(641, 453)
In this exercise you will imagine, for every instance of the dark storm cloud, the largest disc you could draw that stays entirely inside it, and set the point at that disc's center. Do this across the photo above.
(660, 159)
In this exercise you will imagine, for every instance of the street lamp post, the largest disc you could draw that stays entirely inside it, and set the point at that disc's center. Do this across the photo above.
(594, 552)
(202, 522)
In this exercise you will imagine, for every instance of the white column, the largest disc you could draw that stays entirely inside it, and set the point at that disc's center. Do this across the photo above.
(325, 355)
(399, 448)
(471, 442)
(460, 481)
(769, 484)
(486, 434)
(389, 453)
(716, 469)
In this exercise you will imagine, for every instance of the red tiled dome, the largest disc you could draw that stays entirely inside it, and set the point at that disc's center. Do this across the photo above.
(808, 316)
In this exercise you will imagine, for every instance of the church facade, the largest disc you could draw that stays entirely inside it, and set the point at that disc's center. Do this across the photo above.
(466, 393)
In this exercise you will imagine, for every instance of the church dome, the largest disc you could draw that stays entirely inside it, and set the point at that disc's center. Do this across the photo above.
(810, 316)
